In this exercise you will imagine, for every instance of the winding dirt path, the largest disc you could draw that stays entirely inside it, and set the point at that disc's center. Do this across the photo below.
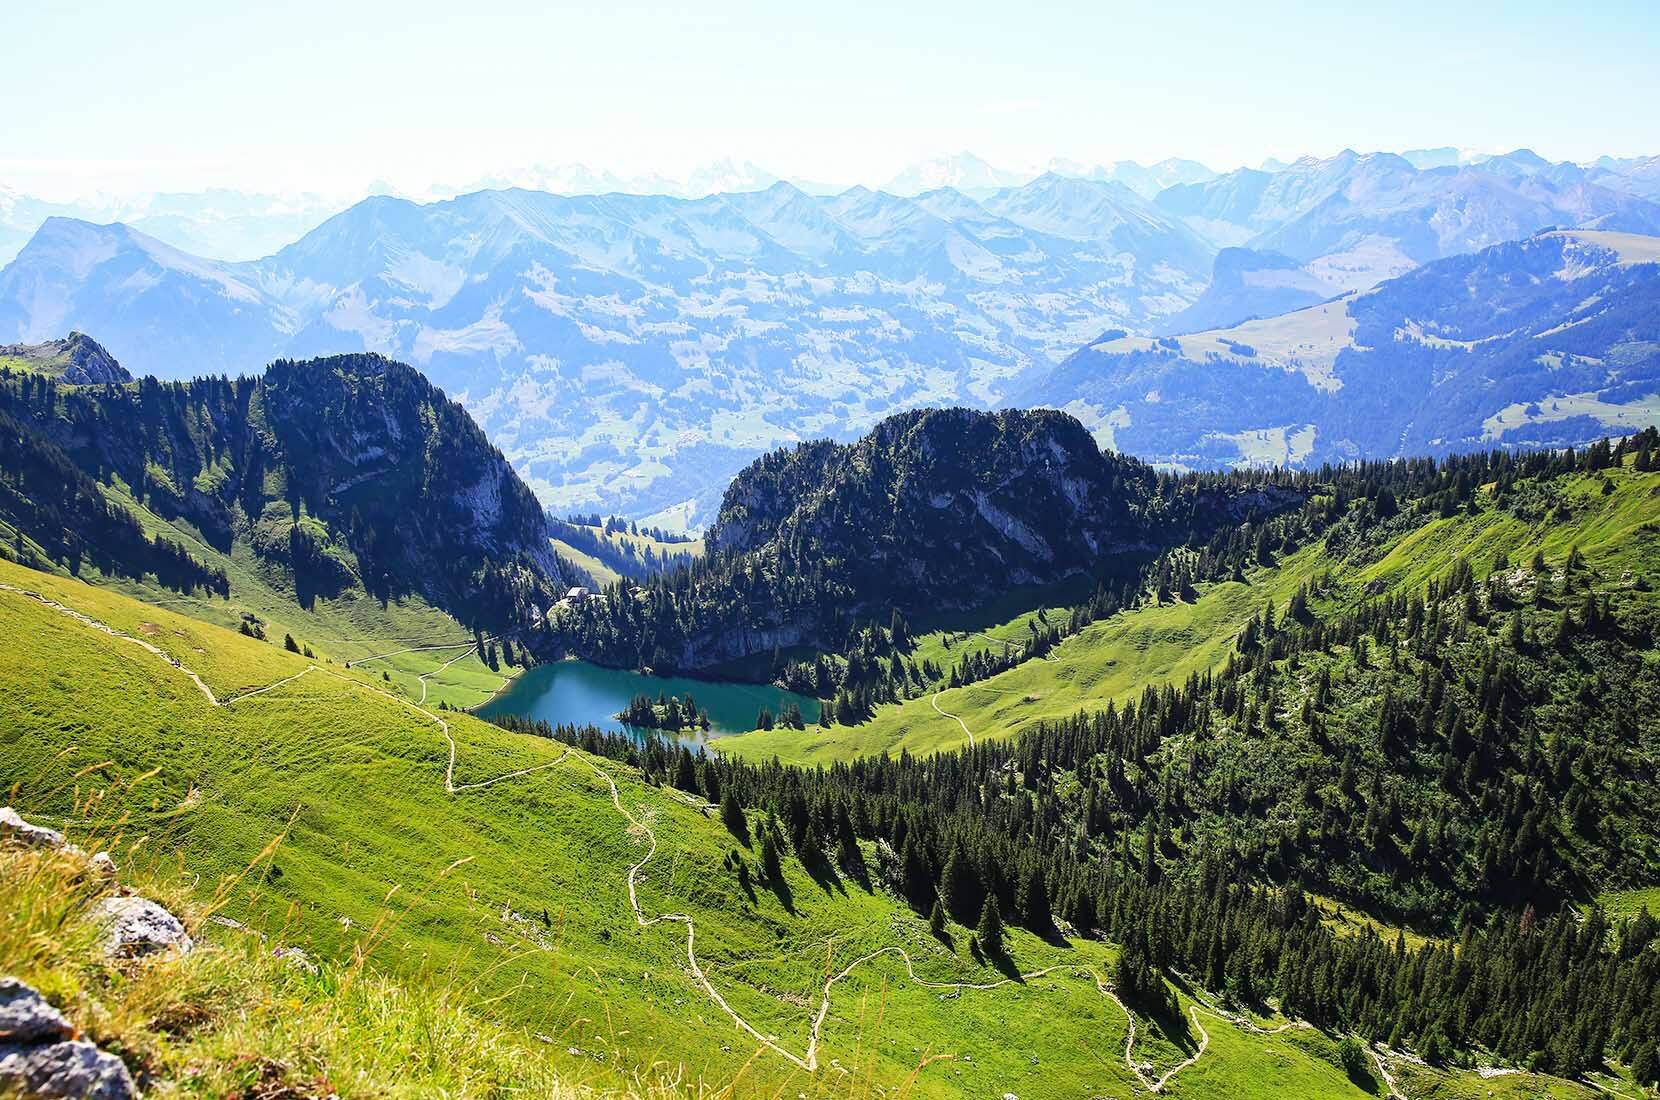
(1389, 1086)
(411, 649)
(934, 701)
(809, 1059)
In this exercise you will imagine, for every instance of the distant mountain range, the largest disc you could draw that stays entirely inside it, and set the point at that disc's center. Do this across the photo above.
(631, 352)
(222, 223)
(635, 351)
(1550, 341)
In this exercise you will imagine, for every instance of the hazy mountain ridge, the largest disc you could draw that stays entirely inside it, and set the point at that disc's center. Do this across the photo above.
(641, 349)
(632, 352)
(1548, 341)
(1355, 219)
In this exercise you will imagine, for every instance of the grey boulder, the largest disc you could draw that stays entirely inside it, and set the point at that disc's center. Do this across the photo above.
(134, 927)
(26, 1017)
(40, 1059)
(14, 828)
(70, 1068)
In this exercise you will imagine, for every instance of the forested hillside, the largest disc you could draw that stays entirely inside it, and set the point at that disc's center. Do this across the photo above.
(1465, 745)
(350, 474)
(939, 508)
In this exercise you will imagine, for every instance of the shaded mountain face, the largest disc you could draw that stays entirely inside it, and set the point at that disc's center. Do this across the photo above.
(1554, 341)
(936, 508)
(940, 503)
(77, 360)
(635, 350)
(933, 509)
(345, 473)
(1247, 284)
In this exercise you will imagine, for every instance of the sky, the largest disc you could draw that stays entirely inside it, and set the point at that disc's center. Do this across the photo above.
(328, 95)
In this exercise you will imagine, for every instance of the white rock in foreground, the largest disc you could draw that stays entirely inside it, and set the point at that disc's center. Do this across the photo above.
(134, 927)
(26, 1017)
(60, 1071)
(14, 828)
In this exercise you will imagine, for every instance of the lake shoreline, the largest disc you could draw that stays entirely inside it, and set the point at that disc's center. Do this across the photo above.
(574, 692)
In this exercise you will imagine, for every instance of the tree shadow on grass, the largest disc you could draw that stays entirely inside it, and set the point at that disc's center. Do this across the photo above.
(1166, 1018)
(823, 872)
(781, 890)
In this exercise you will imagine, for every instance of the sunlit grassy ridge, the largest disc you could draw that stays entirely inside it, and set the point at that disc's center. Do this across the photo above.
(608, 556)
(352, 782)
(1117, 658)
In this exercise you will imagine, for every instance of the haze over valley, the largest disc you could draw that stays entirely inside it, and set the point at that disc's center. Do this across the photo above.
(631, 351)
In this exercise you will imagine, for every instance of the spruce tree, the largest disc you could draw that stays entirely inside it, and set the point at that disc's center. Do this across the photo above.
(1035, 909)
(990, 931)
(936, 920)
(771, 867)
(732, 816)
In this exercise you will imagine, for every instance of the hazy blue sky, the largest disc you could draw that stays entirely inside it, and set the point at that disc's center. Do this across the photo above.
(331, 93)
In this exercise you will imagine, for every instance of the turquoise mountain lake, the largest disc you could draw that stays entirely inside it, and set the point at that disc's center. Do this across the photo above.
(576, 693)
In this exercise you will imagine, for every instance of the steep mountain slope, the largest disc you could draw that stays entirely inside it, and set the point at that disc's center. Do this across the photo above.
(159, 310)
(1245, 284)
(636, 350)
(77, 360)
(539, 886)
(331, 478)
(934, 509)
(586, 891)
(1407, 719)
(1023, 497)
(1551, 340)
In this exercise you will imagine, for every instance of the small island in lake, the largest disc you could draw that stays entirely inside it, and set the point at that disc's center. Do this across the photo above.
(667, 713)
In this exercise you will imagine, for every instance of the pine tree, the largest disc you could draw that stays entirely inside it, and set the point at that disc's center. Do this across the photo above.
(1034, 901)
(990, 931)
(936, 920)
(732, 816)
(1645, 1067)
(685, 774)
(771, 867)
(960, 885)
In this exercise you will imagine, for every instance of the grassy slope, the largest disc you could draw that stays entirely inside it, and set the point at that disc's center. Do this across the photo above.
(375, 856)
(598, 572)
(352, 627)
(448, 891)
(603, 567)
(22, 364)
(1118, 657)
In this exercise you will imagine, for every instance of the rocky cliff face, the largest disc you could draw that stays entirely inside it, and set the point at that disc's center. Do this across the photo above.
(945, 506)
(345, 472)
(77, 360)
